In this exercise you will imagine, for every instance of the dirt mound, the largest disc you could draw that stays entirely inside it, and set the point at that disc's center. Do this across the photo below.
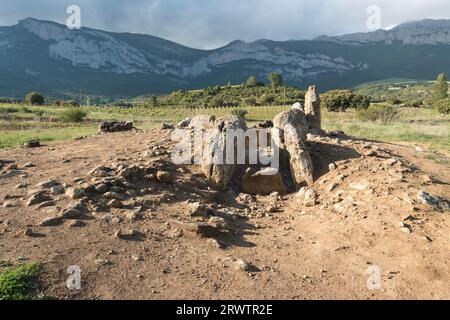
(141, 227)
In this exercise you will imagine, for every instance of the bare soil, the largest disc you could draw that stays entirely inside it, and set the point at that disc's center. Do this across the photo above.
(293, 251)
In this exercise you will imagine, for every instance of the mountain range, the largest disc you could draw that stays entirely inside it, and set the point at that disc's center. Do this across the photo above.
(48, 57)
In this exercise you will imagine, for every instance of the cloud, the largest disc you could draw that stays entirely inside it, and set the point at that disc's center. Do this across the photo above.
(213, 23)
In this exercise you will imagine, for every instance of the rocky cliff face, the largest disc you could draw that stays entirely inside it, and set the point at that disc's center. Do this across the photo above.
(430, 32)
(46, 56)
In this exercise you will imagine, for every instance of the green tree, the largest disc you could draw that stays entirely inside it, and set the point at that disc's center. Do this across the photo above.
(276, 80)
(441, 88)
(252, 82)
(35, 99)
(153, 101)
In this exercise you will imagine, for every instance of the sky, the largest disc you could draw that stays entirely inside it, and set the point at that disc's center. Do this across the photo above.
(208, 24)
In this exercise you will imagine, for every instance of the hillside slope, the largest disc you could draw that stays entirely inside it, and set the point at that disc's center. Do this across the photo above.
(46, 56)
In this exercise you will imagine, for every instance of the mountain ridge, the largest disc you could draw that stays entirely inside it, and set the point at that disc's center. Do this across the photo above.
(47, 56)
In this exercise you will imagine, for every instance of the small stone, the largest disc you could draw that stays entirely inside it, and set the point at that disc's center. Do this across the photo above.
(76, 193)
(164, 177)
(360, 186)
(46, 204)
(101, 188)
(32, 144)
(22, 186)
(132, 216)
(29, 233)
(137, 258)
(405, 230)
(116, 196)
(125, 235)
(50, 222)
(242, 265)
(102, 262)
(115, 204)
(48, 184)
(219, 223)
(332, 167)
(9, 204)
(56, 190)
(77, 224)
(37, 198)
(215, 243)
(28, 165)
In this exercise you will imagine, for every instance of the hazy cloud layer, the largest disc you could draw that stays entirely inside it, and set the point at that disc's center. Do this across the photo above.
(213, 23)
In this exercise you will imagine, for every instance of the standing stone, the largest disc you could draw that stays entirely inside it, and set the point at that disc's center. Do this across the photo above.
(213, 150)
(292, 127)
(312, 108)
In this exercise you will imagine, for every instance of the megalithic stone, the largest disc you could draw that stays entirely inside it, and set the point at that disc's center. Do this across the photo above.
(312, 108)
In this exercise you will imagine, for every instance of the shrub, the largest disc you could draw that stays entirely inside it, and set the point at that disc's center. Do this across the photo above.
(249, 101)
(34, 99)
(341, 100)
(240, 113)
(276, 80)
(217, 102)
(73, 115)
(337, 100)
(267, 100)
(440, 90)
(443, 106)
(394, 101)
(378, 112)
(69, 103)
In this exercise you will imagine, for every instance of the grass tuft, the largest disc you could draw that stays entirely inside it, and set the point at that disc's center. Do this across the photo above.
(20, 283)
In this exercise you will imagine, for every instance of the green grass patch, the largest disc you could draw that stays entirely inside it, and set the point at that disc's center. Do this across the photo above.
(19, 283)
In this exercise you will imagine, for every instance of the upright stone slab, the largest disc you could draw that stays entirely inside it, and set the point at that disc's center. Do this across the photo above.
(312, 108)
(293, 128)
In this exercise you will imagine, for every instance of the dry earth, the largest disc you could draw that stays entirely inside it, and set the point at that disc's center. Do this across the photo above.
(266, 247)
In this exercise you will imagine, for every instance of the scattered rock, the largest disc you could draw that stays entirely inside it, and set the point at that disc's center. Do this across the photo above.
(102, 262)
(200, 210)
(115, 196)
(77, 224)
(115, 204)
(164, 177)
(37, 198)
(332, 167)
(434, 201)
(184, 124)
(242, 265)
(32, 144)
(76, 193)
(50, 222)
(115, 126)
(48, 184)
(57, 190)
(166, 126)
(360, 186)
(126, 235)
(28, 165)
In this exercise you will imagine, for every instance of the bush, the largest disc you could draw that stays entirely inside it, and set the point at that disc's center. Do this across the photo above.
(250, 101)
(267, 100)
(337, 100)
(34, 99)
(378, 112)
(394, 101)
(443, 106)
(69, 103)
(240, 113)
(217, 102)
(73, 115)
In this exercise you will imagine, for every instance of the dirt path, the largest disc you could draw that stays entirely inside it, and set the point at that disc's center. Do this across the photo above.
(297, 252)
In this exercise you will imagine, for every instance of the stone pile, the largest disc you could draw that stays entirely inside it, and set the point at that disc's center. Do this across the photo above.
(115, 126)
